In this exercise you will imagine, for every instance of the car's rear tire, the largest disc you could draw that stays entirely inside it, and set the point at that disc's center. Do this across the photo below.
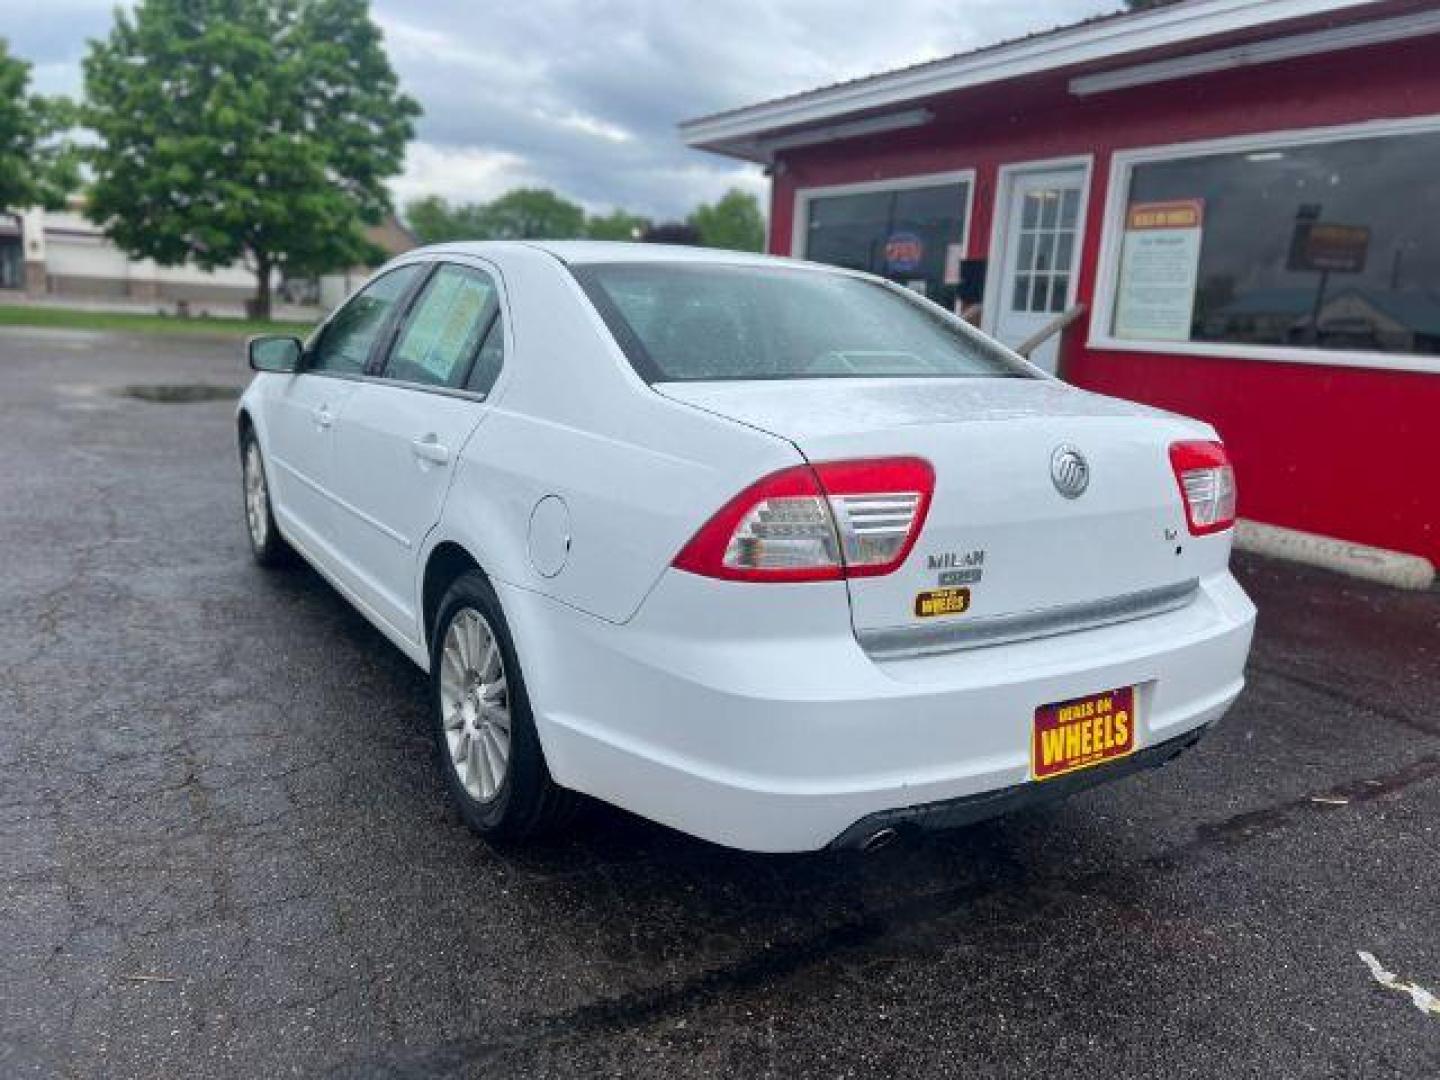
(266, 543)
(483, 727)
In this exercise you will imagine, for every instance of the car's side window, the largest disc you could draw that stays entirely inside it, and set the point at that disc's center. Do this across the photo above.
(345, 345)
(444, 328)
(489, 359)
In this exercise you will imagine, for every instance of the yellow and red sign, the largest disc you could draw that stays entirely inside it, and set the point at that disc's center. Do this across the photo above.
(1176, 214)
(1081, 732)
(942, 602)
(1328, 246)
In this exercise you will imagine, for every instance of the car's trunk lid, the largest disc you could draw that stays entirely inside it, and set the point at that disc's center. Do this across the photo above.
(998, 525)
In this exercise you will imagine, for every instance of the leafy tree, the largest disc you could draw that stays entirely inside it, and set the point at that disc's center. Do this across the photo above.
(617, 225)
(531, 214)
(522, 214)
(37, 166)
(733, 222)
(434, 220)
(429, 219)
(537, 213)
(260, 130)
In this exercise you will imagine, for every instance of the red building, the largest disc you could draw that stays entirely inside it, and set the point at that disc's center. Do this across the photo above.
(1244, 195)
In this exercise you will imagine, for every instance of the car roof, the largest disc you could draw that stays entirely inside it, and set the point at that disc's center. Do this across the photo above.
(576, 252)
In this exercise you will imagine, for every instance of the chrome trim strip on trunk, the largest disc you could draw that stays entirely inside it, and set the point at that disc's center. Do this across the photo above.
(904, 642)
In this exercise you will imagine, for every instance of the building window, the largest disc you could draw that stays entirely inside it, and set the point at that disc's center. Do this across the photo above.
(912, 233)
(1047, 242)
(1330, 245)
(12, 253)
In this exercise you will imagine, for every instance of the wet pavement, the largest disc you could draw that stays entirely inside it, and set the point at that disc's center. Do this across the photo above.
(225, 850)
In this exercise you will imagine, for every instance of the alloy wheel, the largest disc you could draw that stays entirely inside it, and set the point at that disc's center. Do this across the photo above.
(257, 498)
(475, 705)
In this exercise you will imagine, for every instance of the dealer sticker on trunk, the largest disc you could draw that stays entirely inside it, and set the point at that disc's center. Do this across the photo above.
(942, 602)
(1081, 732)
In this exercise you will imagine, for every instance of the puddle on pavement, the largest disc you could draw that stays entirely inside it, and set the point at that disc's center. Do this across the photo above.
(180, 393)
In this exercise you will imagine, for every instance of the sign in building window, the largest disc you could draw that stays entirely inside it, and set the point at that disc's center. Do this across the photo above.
(1330, 245)
(911, 235)
(1159, 263)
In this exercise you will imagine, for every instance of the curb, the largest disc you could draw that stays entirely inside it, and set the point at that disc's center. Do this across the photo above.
(1357, 560)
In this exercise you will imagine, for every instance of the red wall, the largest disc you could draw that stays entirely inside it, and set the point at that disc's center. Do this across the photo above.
(1348, 452)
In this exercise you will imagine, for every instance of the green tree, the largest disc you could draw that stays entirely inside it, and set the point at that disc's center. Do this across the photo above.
(435, 220)
(531, 214)
(733, 222)
(254, 130)
(522, 214)
(428, 218)
(38, 167)
(617, 225)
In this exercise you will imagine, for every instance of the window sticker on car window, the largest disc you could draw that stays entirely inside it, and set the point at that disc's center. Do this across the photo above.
(444, 329)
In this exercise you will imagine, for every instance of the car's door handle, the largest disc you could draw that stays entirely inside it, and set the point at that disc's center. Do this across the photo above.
(430, 449)
(322, 416)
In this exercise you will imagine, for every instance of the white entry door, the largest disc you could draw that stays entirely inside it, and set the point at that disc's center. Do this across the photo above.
(1039, 256)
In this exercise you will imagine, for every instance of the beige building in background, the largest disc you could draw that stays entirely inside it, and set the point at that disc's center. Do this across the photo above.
(61, 256)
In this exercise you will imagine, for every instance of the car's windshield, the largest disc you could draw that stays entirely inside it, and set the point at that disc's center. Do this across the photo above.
(684, 322)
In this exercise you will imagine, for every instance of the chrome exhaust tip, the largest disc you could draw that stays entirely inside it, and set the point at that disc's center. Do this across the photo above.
(881, 838)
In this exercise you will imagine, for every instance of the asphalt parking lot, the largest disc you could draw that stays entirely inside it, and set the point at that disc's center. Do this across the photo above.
(224, 849)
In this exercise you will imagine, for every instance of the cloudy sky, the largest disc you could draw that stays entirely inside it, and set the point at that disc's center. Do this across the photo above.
(583, 95)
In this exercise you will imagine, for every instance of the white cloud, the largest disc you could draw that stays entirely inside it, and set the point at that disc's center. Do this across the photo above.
(588, 125)
(588, 94)
(56, 77)
(460, 173)
(584, 95)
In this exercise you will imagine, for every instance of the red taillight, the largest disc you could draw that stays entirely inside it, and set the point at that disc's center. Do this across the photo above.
(1207, 485)
(816, 523)
(879, 507)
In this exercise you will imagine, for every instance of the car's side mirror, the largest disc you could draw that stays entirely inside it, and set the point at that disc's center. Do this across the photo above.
(274, 352)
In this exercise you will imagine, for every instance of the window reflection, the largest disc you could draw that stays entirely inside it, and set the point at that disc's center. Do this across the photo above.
(901, 234)
(1333, 246)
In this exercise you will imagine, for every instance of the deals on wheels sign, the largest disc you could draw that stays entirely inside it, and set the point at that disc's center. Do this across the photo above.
(1159, 265)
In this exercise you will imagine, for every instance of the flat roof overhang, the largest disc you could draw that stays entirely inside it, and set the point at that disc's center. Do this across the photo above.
(1189, 38)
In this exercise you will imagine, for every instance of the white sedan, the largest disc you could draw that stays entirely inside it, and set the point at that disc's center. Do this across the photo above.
(780, 555)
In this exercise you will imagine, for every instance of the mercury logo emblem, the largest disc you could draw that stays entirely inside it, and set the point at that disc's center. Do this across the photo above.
(1070, 471)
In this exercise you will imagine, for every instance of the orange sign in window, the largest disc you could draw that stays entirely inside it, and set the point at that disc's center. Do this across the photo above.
(1178, 214)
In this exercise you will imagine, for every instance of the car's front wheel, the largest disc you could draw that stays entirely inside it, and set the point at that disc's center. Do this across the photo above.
(266, 543)
(484, 730)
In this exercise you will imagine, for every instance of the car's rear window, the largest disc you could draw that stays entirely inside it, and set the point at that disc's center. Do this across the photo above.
(681, 322)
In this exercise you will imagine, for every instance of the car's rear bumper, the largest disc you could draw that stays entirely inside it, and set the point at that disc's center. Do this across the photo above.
(968, 809)
(752, 717)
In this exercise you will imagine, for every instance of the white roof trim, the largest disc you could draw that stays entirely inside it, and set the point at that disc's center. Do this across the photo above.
(739, 132)
(870, 125)
(1315, 43)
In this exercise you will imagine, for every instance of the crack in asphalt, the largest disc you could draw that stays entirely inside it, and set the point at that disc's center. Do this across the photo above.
(777, 963)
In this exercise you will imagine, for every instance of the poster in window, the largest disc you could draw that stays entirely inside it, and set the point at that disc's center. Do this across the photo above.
(1159, 266)
(1327, 247)
(904, 252)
